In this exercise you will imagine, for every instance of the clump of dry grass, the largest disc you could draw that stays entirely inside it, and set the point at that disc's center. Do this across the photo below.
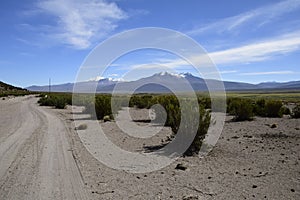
(107, 118)
(81, 127)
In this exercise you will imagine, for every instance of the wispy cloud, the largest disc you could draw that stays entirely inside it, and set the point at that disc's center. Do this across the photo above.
(78, 23)
(114, 75)
(258, 51)
(223, 72)
(228, 72)
(259, 16)
(253, 52)
(267, 73)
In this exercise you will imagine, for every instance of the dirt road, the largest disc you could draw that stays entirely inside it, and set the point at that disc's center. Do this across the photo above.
(36, 160)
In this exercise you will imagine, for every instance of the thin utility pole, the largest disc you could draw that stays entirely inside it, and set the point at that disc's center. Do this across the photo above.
(49, 85)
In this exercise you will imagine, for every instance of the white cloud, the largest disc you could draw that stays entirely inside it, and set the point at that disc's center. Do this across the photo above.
(260, 16)
(222, 72)
(79, 22)
(228, 72)
(254, 52)
(97, 78)
(258, 51)
(267, 73)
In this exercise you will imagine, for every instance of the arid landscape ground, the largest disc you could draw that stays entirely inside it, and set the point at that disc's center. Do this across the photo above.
(141, 99)
(42, 157)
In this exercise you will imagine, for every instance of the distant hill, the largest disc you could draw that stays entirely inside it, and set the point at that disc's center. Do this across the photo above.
(68, 87)
(7, 87)
(9, 90)
(287, 85)
(157, 82)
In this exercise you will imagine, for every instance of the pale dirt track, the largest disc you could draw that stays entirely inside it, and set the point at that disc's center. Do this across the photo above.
(36, 160)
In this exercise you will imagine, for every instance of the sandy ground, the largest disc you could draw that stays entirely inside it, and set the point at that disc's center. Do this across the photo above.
(250, 161)
(36, 160)
(43, 157)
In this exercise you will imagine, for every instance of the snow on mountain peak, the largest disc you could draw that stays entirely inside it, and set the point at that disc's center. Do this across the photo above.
(170, 74)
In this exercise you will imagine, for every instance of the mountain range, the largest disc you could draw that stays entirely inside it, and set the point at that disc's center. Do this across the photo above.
(161, 82)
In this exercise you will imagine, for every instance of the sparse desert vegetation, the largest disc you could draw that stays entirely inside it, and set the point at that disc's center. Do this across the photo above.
(256, 123)
(9, 90)
(125, 99)
(296, 111)
(57, 100)
(100, 108)
(242, 157)
(273, 108)
(242, 109)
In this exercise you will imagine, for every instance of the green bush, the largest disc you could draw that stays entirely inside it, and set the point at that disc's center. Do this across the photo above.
(270, 108)
(171, 106)
(204, 122)
(141, 101)
(60, 103)
(286, 110)
(230, 105)
(273, 108)
(101, 106)
(260, 107)
(57, 100)
(242, 109)
(296, 111)
(173, 110)
(205, 101)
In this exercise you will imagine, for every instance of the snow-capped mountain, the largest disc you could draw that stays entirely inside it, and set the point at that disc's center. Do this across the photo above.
(163, 82)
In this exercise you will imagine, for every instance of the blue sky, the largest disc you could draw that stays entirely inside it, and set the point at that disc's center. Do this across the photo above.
(249, 41)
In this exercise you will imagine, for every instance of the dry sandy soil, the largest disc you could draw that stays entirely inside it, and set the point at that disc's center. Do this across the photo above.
(36, 160)
(43, 157)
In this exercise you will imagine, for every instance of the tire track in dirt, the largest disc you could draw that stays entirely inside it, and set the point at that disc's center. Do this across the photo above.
(36, 161)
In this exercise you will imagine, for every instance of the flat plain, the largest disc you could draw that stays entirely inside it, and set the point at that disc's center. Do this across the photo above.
(43, 157)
